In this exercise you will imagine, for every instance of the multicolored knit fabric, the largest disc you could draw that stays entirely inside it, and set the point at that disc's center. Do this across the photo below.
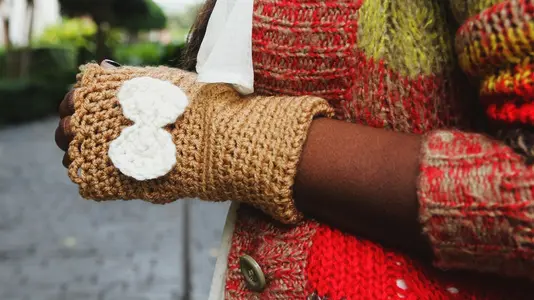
(374, 67)
(386, 64)
(497, 46)
(469, 182)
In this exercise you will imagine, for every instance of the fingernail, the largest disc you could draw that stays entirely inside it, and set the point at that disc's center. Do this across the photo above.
(108, 63)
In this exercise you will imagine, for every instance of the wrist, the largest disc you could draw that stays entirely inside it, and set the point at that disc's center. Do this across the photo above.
(362, 180)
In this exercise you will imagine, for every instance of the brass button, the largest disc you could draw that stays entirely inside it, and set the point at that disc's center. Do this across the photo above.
(253, 274)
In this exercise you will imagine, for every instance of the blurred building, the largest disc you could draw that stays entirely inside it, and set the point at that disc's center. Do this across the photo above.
(46, 12)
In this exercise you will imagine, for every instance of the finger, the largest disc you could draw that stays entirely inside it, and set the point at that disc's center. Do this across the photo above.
(66, 108)
(109, 64)
(66, 160)
(61, 139)
(63, 134)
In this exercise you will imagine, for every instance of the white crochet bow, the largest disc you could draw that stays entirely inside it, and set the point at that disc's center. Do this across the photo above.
(225, 55)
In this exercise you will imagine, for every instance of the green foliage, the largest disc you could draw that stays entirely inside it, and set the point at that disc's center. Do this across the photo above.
(134, 15)
(149, 54)
(78, 33)
(172, 55)
(187, 17)
(25, 100)
(105, 13)
(104, 10)
(3, 64)
(146, 54)
(50, 63)
(37, 61)
(38, 94)
(179, 24)
(154, 19)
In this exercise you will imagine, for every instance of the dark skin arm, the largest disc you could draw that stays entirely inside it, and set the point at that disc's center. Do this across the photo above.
(362, 180)
(356, 178)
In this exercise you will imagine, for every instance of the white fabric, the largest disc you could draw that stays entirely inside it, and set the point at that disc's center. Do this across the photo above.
(145, 150)
(218, 281)
(225, 55)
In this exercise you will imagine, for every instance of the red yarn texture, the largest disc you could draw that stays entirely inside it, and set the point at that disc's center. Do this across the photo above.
(313, 47)
(508, 95)
(365, 270)
(476, 204)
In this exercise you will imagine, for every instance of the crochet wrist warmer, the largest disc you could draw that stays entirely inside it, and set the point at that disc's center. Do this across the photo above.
(223, 146)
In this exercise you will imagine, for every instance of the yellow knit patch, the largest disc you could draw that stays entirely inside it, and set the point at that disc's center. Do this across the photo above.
(506, 79)
(412, 37)
(464, 9)
(508, 47)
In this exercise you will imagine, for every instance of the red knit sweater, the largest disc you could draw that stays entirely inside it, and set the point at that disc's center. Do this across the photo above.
(392, 64)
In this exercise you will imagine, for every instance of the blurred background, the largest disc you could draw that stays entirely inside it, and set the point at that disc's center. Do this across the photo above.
(53, 244)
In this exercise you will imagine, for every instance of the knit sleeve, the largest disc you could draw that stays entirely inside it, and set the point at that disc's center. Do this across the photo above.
(476, 192)
(476, 204)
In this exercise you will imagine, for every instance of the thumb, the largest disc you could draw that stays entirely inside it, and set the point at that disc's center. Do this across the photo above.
(109, 64)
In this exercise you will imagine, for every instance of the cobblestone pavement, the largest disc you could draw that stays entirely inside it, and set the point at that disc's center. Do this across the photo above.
(56, 246)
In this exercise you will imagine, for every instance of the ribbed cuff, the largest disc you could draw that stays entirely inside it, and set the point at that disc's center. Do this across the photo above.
(476, 204)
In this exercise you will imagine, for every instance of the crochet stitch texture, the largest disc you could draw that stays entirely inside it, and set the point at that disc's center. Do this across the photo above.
(497, 46)
(391, 64)
(228, 147)
(388, 64)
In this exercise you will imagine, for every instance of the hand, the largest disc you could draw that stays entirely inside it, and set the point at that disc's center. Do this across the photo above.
(63, 135)
(224, 146)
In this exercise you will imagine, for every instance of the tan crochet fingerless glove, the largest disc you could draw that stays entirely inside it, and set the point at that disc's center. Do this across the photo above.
(228, 147)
